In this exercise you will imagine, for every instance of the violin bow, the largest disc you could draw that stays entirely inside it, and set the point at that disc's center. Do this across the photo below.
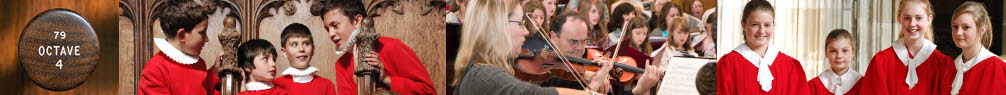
(618, 45)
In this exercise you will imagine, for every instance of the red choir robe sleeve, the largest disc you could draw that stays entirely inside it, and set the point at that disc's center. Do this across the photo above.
(152, 81)
(988, 77)
(945, 79)
(162, 76)
(408, 74)
(817, 87)
(795, 79)
(876, 76)
(855, 88)
(345, 85)
(725, 84)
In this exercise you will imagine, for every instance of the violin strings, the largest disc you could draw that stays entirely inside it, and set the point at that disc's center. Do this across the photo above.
(576, 75)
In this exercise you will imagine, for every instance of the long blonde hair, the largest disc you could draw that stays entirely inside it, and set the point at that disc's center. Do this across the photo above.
(981, 18)
(481, 40)
(928, 32)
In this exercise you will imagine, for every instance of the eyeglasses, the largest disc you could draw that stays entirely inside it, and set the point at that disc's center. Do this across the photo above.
(521, 23)
(578, 42)
(516, 21)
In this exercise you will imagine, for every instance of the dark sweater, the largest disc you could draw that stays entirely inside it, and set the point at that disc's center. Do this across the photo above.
(489, 80)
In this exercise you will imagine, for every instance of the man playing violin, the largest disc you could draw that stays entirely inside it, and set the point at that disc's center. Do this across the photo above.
(569, 35)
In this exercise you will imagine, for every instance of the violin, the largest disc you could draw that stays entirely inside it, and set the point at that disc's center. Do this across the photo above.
(542, 70)
(536, 67)
(534, 70)
(626, 75)
(629, 69)
(531, 68)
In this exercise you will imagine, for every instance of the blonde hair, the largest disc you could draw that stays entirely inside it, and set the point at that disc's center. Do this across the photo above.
(981, 18)
(481, 43)
(928, 32)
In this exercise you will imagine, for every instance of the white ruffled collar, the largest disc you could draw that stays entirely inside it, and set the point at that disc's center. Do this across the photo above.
(839, 84)
(174, 53)
(765, 76)
(258, 86)
(301, 76)
(962, 67)
(920, 57)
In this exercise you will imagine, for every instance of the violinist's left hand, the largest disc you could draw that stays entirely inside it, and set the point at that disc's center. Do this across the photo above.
(373, 59)
(599, 81)
(648, 79)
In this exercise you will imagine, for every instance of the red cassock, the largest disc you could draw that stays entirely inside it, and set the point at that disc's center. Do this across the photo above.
(817, 88)
(317, 86)
(887, 71)
(164, 76)
(987, 76)
(736, 75)
(837, 84)
(271, 91)
(407, 73)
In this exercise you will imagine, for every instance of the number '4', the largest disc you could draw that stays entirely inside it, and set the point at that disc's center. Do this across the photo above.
(59, 64)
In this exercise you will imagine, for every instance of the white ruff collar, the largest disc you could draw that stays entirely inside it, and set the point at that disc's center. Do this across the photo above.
(258, 86)
(764, 73)
(173, 53)
(839, 84)
(962, 67)
(301, 76)
(923, 54)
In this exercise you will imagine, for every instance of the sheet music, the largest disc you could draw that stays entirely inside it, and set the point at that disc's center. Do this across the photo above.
(679, 76)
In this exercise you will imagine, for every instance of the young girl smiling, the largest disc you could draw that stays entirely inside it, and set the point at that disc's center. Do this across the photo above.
(756, 67)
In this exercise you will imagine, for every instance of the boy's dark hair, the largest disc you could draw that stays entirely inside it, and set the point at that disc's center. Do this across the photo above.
(350, 8)
(560, 20)
(249, 49)
(181, 14)
(295, 30)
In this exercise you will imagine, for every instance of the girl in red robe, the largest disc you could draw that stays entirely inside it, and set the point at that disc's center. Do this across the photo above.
(976, 71)
(839, 79)
(912, 65)
(756, 67)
